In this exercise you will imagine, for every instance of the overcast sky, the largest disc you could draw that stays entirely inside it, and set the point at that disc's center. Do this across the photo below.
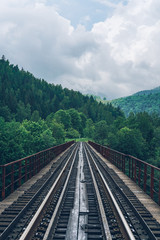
(109, 48)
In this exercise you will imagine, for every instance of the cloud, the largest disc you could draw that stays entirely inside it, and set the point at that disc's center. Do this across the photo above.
(107, 3)
(117, 57)
(33, 35)
(132, 35)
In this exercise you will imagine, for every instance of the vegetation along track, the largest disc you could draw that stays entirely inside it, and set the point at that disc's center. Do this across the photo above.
(85, 200)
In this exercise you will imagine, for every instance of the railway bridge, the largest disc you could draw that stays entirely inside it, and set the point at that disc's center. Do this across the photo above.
(79, 191)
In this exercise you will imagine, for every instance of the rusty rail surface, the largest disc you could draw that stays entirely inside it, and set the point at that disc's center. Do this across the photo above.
(142, 173)
(14, 174)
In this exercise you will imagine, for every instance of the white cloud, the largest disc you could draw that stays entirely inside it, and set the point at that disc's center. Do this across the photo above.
(118, 57)
(132, 35)
(107, 3)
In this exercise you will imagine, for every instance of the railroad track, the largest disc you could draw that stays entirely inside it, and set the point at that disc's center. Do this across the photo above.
(139, 220)
(81, 199)
(15, 218)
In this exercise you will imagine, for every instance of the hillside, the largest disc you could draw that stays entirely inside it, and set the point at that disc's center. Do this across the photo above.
(148, 100)
(36, 115)
(21, 94)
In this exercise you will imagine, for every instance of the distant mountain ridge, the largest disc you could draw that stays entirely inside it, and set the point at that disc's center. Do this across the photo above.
(147, 100)
(147, 92)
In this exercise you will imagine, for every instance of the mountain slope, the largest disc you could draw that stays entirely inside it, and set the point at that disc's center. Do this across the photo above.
(21, 94)
(148, 100)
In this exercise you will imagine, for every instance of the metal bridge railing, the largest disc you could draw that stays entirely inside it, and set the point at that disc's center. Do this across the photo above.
(144, 174)
(14, 174)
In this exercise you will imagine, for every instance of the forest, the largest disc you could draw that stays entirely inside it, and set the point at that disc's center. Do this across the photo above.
(148, 101)
(36, 115)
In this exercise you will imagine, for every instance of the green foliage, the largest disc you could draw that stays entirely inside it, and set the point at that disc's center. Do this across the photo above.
(5, 113)
(130, 141)
(72, 133)
(148, 101)
(89, 129)
(137, 135)
(58, 132)
(101, 131)
(144, 124)
(36, 115)
(112, 140)
(119, 123)
(21, 94)
(23, 112)
(75, 119)
(63, 117)
(11, 146)
(26, 101)
(18, 140)
(83, 119)
(37, 136)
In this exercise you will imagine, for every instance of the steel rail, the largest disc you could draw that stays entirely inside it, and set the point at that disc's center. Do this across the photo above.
(142, 221)
(29, 230)
(10, 227)
(79, 213)
(12, 224)
(49, 229)
(101, 208)
(117, 208)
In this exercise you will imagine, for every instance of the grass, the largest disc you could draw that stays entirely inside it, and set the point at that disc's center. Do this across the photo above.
(77, 139)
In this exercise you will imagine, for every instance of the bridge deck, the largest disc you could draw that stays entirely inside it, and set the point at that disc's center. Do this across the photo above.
(17, 193)
(152, 207)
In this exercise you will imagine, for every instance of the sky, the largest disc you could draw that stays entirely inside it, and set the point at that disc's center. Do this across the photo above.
(108, 48)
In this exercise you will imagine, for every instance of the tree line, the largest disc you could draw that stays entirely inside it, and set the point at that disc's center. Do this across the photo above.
(137, 135)
(21, 139)
(22, 96)
(148, 101)
(35, 115)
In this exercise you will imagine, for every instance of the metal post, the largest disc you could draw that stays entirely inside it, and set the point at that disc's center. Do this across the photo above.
(30, 167)
(132, 168)
(124, 164)
(129, 159)
(34, 165)
(26, 170)
(159, 192)
(37, 163)
(116, 160)
(152, 182)
(105, 154)
(12, 178)
(20, 173)
(3, 181)
(139, 174)
(145, 177)
(135, 170)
